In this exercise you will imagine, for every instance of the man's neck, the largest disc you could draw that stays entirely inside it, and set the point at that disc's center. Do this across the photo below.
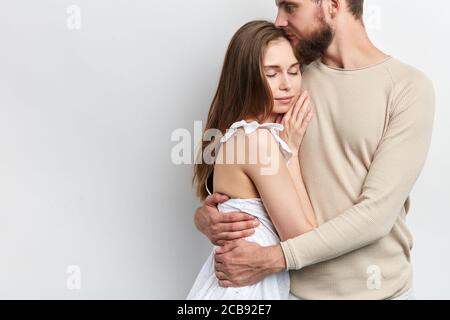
(351, 48)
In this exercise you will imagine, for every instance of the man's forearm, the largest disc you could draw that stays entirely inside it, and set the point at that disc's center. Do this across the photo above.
(274, 259)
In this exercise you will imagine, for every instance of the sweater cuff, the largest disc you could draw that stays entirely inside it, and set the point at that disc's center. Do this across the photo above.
(288, 256)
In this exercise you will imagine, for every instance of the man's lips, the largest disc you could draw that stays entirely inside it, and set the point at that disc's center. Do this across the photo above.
(292, 37)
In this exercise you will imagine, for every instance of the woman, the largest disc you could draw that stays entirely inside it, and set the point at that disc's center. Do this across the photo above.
(261, 110)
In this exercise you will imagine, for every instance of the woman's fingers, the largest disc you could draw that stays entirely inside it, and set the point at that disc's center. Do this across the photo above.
(299, 106)
(287, 116)
(307, 119)
(306, 106)
(296, 120)
(279, 118)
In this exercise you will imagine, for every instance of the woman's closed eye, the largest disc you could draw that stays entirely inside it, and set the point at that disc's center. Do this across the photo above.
(295, 70)
(290, 73)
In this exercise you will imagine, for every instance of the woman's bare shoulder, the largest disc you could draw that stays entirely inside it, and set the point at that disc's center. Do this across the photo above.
(249, 146)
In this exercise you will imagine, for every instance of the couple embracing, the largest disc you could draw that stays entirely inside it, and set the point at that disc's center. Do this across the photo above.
(345, 130)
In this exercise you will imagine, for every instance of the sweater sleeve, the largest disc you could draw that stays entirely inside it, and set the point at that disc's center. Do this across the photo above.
(395, 167)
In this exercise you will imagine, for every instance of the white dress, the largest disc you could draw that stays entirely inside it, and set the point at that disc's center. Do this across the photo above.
(273, 287)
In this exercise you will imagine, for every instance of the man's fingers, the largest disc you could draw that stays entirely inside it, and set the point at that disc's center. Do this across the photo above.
(216, 198)
(225, 284)
(221, 242)
(238, 226)
(220, 275)
(236, 217)
(224, 249)
(229, 236)
(218, 266)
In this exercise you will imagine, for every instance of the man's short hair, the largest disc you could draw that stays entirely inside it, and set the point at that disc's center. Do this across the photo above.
(354, 6)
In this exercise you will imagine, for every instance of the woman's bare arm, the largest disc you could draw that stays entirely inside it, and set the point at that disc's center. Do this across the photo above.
(276, 187)
(296, 175)
(295, 123)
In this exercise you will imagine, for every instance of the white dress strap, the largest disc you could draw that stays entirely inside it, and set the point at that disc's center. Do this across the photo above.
(250, 127)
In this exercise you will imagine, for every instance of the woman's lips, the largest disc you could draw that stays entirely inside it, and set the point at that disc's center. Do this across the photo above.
(285, 100)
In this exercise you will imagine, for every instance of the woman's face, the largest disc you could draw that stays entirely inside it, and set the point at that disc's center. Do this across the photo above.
(282, 71)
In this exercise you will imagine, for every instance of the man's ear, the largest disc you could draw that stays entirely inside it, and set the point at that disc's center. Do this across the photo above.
(333, 7)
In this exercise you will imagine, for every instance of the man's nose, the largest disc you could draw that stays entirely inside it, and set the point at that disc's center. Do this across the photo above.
(281, 21)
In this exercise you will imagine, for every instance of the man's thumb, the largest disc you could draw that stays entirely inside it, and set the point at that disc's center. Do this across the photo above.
(216, 198)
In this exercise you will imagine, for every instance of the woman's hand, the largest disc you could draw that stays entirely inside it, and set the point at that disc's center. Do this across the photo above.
(296, 121)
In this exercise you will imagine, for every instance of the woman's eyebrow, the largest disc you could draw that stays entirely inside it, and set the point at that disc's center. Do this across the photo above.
(278, 67)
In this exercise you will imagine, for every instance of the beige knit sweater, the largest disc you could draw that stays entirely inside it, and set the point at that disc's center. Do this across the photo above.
(360, 158)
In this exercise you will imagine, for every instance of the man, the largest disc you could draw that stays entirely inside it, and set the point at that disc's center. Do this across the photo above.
(360, 158)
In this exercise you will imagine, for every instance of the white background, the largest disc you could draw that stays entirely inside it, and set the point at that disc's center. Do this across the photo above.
(86, 117)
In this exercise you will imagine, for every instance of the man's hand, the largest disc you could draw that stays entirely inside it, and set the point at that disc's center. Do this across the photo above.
(223, 227)
(242, 263)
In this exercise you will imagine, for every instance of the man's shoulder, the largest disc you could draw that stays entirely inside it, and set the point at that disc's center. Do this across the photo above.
(403, 74)
(411, 86)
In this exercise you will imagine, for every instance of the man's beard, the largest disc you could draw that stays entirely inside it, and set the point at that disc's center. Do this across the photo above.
(315, 46)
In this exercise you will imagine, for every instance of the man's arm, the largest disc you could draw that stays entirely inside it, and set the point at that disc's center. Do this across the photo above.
(395, 168)
(219, 227)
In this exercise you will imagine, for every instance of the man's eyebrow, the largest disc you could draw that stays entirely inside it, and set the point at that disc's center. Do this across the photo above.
(278, 67)
(283, 2)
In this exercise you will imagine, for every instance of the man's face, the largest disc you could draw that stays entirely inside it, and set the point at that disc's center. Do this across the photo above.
(304, 22)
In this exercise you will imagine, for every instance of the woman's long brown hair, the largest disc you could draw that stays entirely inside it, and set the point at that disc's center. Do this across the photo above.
(243, 91)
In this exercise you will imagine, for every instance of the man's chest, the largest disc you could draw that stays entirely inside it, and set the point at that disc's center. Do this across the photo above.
(351, 115)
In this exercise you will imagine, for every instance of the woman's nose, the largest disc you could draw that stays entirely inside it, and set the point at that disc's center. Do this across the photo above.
(285, 84)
